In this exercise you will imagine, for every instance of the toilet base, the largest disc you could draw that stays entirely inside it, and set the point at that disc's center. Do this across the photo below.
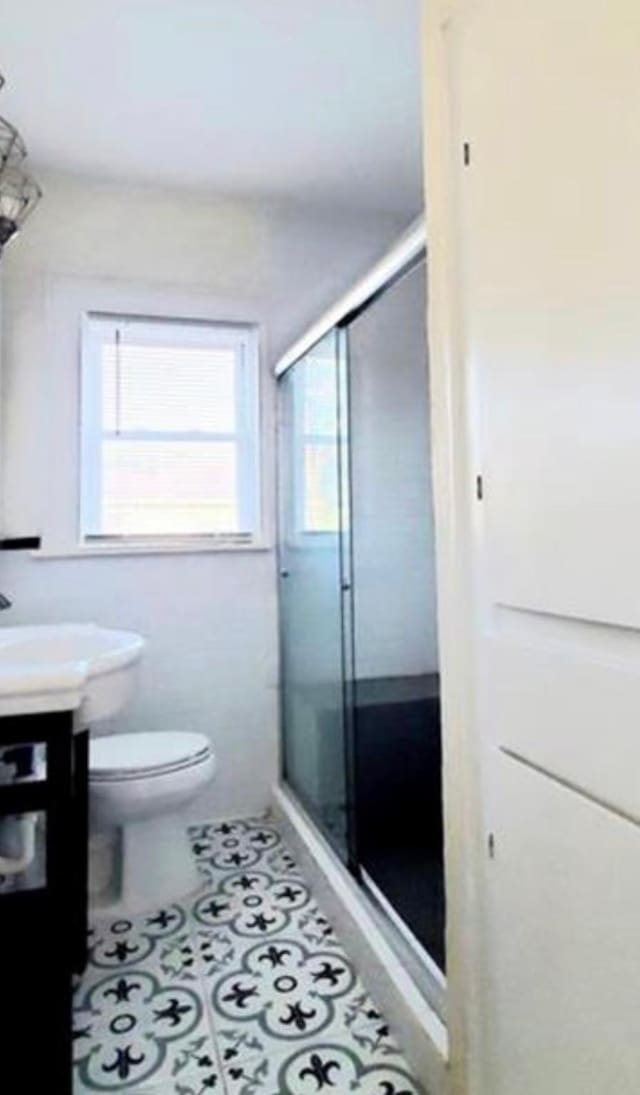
(158, 866)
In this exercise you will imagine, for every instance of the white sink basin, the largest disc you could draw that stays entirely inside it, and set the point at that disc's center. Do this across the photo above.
(62, 667)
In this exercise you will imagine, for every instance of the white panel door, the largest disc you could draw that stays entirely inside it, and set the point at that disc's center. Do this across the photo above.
(545, 101)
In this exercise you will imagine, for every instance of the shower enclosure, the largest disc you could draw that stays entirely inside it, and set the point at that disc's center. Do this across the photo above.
(360, 699)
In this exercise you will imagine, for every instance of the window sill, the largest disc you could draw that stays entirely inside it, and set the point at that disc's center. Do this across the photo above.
(188, 546)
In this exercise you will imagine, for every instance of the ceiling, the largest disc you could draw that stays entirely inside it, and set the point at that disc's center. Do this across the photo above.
(316, 101)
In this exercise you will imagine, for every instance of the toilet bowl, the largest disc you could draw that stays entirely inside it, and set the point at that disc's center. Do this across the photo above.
(142, 783)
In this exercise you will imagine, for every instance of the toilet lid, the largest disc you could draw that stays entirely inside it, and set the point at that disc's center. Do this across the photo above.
(134, 756)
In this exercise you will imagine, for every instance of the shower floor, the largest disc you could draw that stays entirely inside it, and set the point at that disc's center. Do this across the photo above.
(398, 802)
(414, 886)
(243, 989)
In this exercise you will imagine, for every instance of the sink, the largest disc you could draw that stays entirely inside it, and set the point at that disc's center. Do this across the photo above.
(62, 667)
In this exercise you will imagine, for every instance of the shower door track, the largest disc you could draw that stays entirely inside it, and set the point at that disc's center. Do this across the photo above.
(395, 264)
(408, 253)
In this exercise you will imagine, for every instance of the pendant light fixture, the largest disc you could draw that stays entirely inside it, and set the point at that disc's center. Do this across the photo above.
(12, 148)
(19, 192)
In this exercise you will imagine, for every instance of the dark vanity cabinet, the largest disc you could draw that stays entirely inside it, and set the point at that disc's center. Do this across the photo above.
(43, 909)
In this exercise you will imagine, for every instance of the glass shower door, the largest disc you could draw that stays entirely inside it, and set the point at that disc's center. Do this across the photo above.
(312, 587)
(396, 685)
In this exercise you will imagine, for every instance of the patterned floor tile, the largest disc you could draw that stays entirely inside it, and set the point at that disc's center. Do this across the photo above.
(244, 989)
(250, 907)
(315, 929)
(132, 1028)
(189, 1082)
(244, 1042)
(140, 1013)
(253, 903)
(307, 1071)
(310, 1069)
(282, 991)
(234, 845)
(161, 938)
(283, 997)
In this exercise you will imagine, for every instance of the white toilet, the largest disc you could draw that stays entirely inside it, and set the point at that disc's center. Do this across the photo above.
(142, 784)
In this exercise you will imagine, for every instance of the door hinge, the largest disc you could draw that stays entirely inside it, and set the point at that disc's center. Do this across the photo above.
(479, 488)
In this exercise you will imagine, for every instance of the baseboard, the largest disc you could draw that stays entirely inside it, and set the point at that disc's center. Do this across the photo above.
(420, 1031)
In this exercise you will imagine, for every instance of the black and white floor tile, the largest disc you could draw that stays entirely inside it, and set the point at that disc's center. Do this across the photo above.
(243, 989)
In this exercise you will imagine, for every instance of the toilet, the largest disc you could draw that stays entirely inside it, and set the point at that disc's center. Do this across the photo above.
(142, 784)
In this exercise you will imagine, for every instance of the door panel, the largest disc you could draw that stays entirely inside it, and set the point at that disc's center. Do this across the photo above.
(547, 98)
(570, 712)
(564, 915)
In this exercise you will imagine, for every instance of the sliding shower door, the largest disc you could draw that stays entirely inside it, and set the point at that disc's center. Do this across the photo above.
(313, 583)
(361, 695)
(397, 743)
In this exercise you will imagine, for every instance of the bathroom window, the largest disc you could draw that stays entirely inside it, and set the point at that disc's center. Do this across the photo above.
(315, 439)
(169, 430)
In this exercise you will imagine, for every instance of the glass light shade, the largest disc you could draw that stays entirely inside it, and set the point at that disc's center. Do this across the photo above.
(12, 147)
(19, 194)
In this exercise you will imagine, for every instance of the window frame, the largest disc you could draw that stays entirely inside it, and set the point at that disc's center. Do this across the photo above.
(243, 337)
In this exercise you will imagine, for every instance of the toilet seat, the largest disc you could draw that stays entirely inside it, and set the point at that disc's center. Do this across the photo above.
(118, 757)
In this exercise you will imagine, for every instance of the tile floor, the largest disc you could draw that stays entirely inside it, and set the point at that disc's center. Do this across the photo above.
(243, 990)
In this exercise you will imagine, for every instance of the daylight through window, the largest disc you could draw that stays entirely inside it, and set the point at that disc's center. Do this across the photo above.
(169, 429)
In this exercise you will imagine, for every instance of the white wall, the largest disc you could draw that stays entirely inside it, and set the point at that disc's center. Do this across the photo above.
(210, 619)
(393, 527)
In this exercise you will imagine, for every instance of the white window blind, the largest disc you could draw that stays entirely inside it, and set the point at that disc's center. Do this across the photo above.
(169, 429)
